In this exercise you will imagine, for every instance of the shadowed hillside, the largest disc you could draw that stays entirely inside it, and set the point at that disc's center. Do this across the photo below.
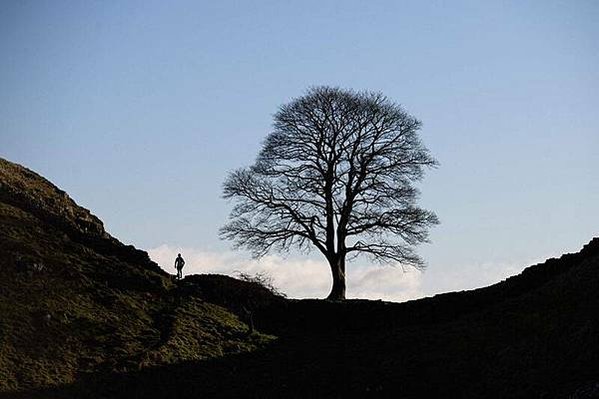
(83, 315)
(74, 300)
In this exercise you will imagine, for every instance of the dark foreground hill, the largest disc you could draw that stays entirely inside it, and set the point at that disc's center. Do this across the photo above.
(82, 315)
(75, 301)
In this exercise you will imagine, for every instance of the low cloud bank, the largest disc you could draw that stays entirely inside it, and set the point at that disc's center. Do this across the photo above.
(297, 277)
(304, 277)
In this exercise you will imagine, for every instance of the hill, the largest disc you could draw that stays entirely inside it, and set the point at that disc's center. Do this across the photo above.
(83, 315)
(74, 300)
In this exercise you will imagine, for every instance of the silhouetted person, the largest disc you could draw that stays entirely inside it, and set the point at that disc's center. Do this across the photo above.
(179, 263)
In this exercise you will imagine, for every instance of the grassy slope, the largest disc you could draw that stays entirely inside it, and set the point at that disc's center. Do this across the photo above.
(120, 328)
(537, 343)
(73, 300)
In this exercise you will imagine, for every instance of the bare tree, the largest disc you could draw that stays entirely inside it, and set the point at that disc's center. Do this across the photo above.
(337, 173)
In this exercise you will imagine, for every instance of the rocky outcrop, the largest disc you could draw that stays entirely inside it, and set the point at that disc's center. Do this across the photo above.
(29, 191)
(32, 193)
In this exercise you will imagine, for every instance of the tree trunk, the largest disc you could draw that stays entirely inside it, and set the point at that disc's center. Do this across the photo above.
(338, 272)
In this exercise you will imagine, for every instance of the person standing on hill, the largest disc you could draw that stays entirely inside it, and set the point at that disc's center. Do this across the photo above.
(179, 263)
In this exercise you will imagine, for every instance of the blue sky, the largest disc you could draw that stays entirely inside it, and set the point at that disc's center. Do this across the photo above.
(139, 109)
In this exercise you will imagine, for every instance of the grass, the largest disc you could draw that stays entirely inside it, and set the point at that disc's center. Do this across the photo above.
(82, 315)
(67, 310)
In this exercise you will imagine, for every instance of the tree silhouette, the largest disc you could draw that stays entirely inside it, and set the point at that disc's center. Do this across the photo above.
(337, 173)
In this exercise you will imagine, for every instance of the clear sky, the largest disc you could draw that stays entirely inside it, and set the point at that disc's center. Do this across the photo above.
(139, 109)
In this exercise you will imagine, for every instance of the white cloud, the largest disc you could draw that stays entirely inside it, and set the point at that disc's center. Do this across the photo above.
(385, 282)
(298, 277)
(305, 277)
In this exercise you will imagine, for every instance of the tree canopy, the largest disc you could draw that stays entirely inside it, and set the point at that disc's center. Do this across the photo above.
(337, 174)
